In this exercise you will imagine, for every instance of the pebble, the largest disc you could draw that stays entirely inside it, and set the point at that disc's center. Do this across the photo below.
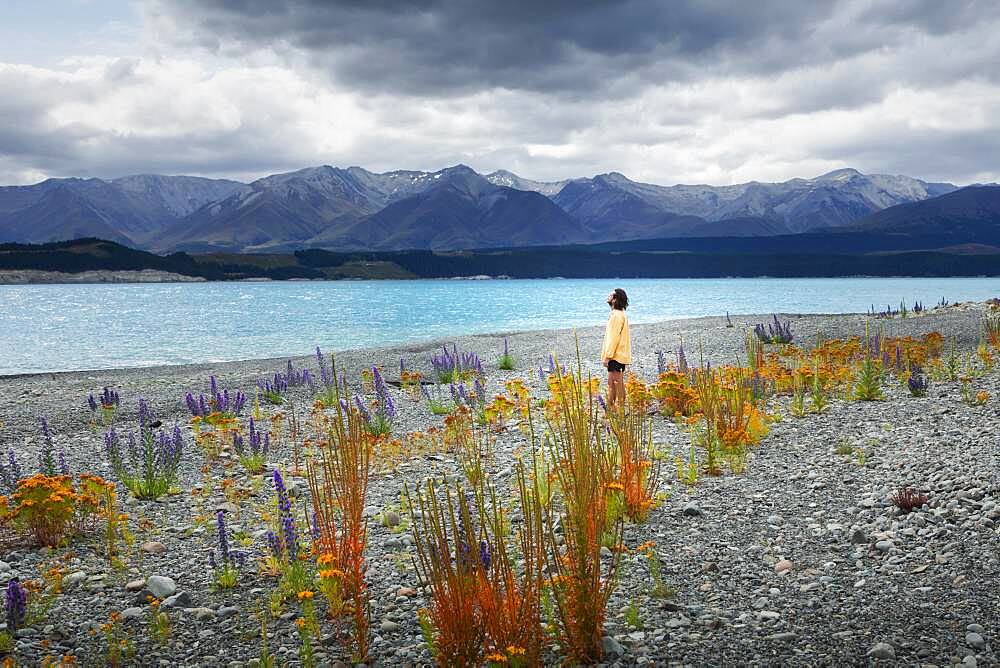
(612, 648)
(783, 566)
(161, 586)
(975, 640)
(882, 650)
(135, 585)
(72, 579)
(692, 509)
(154, 547)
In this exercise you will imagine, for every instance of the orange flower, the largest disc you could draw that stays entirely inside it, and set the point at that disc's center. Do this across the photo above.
(305, 595)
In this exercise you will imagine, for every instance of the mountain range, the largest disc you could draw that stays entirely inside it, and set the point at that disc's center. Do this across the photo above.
(456, 208)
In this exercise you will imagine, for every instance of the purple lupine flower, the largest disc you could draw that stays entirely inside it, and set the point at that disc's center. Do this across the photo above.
(464, 395)
(601, 403)
(192, 405)
(288, 532)
(220, 520)
(506, 347)
(46, 456)
(273, 544)
(541, 374)
(133, 448)
(480, 389)
(146, 418)
(388, 407)
(239, 402)
(484, 555)
(16, 603)
(682, 363)
(363, 409)
(454, 394)
(917, 382)
(214, 385)
(325, 375)
(110, 398)
(238, 444)
(307, 378)
(63, 467)
(402, 365)
(10, 474)
(92, 403)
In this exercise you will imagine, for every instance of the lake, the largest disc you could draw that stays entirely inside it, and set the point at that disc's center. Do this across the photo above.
(74, 327)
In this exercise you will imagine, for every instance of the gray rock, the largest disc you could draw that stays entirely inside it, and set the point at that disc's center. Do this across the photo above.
(388, 626)
(692, 509)
(975, 640)
(4, 567)
(202, 614)
(135, 585)
(858, 537)
(179, 600)
(161, 586)
(227, 612)
(132, 613)
(882, 650)
(154, 547)
(72, 579)
(883, 545)
(612, 648)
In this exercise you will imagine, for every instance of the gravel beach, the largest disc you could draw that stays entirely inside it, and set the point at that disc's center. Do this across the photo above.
(801, 560)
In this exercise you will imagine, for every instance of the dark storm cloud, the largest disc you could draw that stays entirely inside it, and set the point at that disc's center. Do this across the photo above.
(439, 47)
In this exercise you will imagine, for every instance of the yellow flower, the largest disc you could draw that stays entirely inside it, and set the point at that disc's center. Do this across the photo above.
(304, 595)
(514, 650)
(496, 657)
(300, 622)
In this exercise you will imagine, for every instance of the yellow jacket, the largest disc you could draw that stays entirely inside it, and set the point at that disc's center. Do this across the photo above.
(617, 341)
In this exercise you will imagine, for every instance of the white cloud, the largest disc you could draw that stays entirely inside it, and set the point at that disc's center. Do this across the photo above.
(887, 97)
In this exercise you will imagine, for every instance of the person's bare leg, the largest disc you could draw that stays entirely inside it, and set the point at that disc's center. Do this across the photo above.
(615, 391)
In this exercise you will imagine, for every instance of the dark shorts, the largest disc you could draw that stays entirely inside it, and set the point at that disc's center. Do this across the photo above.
(615, 365)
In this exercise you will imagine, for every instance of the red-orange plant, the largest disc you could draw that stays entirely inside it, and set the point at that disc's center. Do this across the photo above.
(584, 467)
(338, 481)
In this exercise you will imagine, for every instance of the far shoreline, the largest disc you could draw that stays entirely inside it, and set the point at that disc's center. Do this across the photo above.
(680, 326)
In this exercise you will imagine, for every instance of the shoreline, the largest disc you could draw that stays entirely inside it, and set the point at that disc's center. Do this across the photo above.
(431, 344)
(18, 277)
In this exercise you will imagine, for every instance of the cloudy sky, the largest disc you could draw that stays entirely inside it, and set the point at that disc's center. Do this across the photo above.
(667, 92)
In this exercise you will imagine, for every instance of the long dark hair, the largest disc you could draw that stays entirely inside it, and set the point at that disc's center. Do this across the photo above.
(619, 300)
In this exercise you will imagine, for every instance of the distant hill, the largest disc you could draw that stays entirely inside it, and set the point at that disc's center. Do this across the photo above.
(661, 258)
(451, 209)
(132, 210)
(462, 210)
(967, 215)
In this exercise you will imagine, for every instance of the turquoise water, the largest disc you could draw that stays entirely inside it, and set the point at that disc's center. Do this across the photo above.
(72, 327)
